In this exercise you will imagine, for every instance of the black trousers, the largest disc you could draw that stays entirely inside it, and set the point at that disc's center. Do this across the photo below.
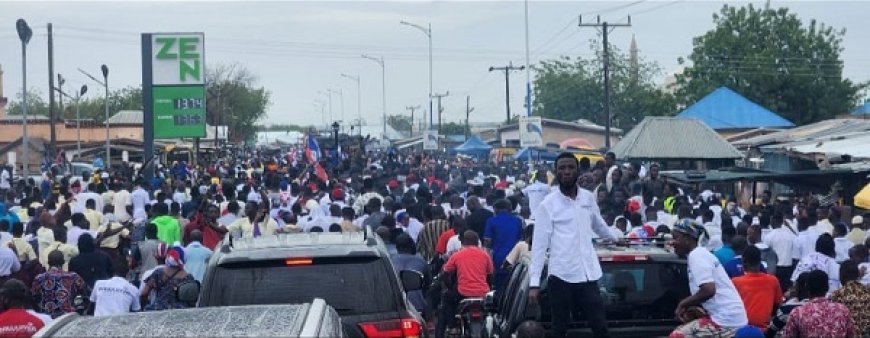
(564, 296)
(783, 273)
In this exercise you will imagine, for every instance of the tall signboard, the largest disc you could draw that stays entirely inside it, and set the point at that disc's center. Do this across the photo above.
(173, 87)
(531, 131)
(430, 140)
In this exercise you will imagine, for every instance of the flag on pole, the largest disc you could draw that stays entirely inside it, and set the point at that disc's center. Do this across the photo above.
(312, 149)
(321, 173)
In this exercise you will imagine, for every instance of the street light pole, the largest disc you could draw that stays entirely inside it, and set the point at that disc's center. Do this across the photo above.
(105, 70)
(24, 33)
(77, 99)
(380, 61)
(104, 83)
(358, 100)
(428, 31)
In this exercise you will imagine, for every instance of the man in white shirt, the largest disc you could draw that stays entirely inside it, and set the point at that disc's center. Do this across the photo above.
(566, 219)
(805, 242)
(5, 185)
(115, 296)
(537, 191)
(139, 198)
(410, 224)
(8, 261)
(710, 287)
(120, 201)
(781, 241)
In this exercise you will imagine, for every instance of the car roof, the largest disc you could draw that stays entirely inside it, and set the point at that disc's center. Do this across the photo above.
(317, 244)
(285, 320)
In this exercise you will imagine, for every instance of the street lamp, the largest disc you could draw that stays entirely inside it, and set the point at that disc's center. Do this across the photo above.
(78, 98)
(105, 71)
(428, 31)
(358, 100)
(24, 33)
(380, 61)
(328, 95)
(335, 127)
(105, 84)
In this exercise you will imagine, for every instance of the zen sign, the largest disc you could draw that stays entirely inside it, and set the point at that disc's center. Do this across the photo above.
(178, 59)
(177, 87)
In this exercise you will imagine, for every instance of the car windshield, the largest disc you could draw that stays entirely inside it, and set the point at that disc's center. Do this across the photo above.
(642, 290)
(346, 286)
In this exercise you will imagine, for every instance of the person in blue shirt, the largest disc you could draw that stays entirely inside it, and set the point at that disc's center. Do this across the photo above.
(734, 266)
(197, 256)
(502, 232)
(726, 252)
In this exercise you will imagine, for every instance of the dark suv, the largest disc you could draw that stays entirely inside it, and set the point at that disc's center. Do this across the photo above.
(641, 288)
(350, 271)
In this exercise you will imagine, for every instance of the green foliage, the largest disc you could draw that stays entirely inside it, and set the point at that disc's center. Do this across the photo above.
(400, 123)
(570, 88)
(234, 99)
(36, 104)
(453, 128)
(772, 58)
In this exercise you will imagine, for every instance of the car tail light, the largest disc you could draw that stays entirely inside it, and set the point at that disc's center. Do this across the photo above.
(625, 258)
(298, 261)
(475, 314)
(396, 328)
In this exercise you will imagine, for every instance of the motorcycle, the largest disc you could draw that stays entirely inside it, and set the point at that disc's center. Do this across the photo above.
(471, 315)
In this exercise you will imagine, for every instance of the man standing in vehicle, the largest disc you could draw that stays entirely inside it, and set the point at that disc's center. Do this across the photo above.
(566, 218)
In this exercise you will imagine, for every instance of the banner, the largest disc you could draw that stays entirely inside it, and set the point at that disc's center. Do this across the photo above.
(531, 132)
(430, 140)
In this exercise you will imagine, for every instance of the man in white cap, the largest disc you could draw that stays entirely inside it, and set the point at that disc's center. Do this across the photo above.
(858, 234)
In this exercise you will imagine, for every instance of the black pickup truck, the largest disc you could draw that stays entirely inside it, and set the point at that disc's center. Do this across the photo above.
(641, 287)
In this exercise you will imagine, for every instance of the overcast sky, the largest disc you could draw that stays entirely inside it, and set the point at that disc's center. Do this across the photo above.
(300, 48)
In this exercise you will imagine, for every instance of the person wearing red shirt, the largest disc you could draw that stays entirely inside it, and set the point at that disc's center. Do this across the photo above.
(206, 222)
(473, 269)
(16, 321)
(759, 291)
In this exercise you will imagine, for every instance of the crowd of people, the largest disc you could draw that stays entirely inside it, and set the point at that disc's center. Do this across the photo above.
(112, 242)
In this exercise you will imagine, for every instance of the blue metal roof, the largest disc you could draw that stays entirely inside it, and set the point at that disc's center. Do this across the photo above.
(862, 110)
(726, 109)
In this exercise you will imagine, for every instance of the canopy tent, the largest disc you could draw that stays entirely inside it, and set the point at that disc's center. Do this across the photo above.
(863, 110)
(862, 198)
(473, 147)
(577, 143)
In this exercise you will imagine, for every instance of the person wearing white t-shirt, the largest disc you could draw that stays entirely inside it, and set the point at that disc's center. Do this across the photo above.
(115, 296)
(710, 286)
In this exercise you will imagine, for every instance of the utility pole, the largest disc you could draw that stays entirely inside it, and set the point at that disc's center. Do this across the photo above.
(606, 27)
(507, 86)
(52, 116)
(438, 97)
(468, 110)
(412, 109)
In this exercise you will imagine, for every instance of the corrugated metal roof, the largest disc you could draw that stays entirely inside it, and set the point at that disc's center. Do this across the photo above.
(821, 129)
(726, 109)
(673, 138)
(127, 117)
(854, 145)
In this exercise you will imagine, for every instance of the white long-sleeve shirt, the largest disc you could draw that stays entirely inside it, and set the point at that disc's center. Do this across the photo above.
(565, 227)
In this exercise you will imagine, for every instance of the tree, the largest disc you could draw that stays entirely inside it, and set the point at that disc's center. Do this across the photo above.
(453, 128)
(36, 104)
(570, 88)
(234, 100)
(400, 123)
(772, 58)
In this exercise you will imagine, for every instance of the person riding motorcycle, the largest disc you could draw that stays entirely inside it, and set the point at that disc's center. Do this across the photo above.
(473, 269)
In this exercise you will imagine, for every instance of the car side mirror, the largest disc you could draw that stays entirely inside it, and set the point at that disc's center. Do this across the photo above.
(188, 293)
(411, 280)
